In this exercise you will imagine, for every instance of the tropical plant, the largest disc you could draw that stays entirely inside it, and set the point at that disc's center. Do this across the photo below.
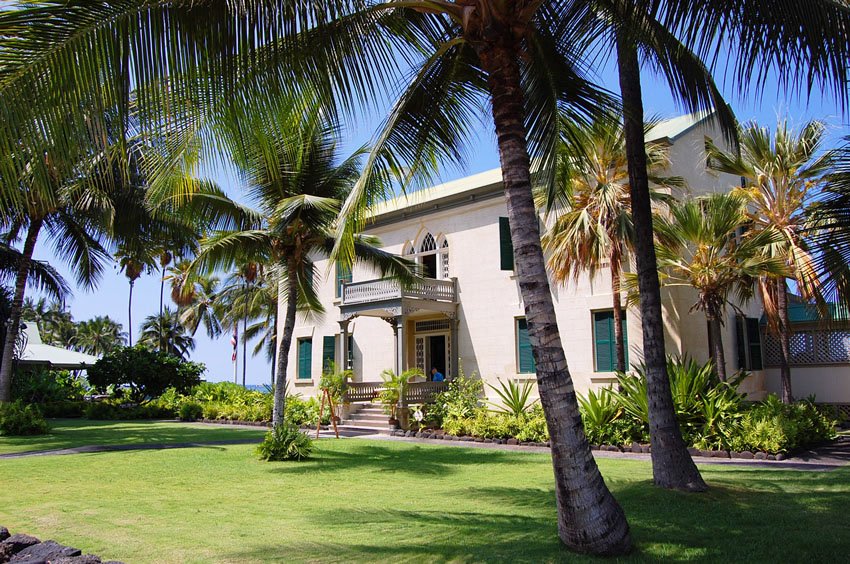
(591, 203)
(285, 442)
(395, 388)
(166, 334)
(289, 165)
(197, 298)
(335, 381)
(143, 374)
(516, 398)
(17, 418)
(460, 400)
(783, 172)
(99, 335)
(703, 244)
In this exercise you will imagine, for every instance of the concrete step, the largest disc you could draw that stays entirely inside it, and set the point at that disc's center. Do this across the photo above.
(370, 418)
(365, 429)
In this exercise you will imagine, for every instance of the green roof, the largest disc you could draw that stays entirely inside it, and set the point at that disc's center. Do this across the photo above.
(808, 313)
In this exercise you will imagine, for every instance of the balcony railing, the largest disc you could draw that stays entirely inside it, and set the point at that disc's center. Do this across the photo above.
(417, 392)
(388, 289)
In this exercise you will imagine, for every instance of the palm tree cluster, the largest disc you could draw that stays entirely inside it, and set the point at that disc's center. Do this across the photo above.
(97, 336)
(206, 77)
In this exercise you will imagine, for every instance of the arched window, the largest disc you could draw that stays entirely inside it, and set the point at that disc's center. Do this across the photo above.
(432, 255)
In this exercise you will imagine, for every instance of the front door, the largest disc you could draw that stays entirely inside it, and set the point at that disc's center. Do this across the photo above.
(436, 354)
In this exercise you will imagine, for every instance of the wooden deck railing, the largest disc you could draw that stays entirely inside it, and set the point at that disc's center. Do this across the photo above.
(419, 392)
(387, 289)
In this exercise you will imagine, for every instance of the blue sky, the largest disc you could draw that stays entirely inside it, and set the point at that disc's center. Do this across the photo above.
(110, 297)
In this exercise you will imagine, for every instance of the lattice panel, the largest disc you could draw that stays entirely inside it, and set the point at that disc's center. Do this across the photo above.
(432, 325)
(420, 354)
(445, 256)
(811, 347)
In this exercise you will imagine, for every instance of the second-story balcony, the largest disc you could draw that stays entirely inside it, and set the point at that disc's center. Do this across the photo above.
(386, 295)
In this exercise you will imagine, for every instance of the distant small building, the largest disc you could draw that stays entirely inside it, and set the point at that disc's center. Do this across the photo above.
(38, 354)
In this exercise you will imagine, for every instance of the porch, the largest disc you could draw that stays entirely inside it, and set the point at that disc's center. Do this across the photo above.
(416, 393)
(424, 323)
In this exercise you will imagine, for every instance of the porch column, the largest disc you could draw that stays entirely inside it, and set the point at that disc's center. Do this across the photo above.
(398, 335)
(454, 323)
(343, 325)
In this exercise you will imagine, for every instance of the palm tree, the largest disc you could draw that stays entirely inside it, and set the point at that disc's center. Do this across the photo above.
(99, 336)
(289, 166)
(263, 310)
(592, 203)
(167, 329)
(701, 245)
(783, 173)
(520, 57)
(133, 267)
(199, 305)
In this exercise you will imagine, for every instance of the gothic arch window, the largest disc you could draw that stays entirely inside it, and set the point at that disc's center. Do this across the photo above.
(432, 254)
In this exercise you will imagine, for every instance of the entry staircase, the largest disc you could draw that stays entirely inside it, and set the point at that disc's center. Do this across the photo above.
(367, 417)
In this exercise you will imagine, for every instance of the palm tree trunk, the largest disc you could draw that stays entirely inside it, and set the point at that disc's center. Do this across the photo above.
(245, 336)
(130, 314)
(672, 465)
(274, 349)
(161, 296)
(718, 356)
(589, 518)
(16, 309)
(283, 349)
(784, 340)
(619, 342)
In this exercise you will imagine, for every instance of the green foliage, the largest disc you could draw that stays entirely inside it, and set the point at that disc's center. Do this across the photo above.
(773, 426)
(65, 409)
(395, 385)
(459, 401)
(42, 386)
(113, 411)
(335, 382)
(191, 411)
(305, 412)
(515, 398)
(144, 374)
(285, 442)
(534, 429)
(18, 418)
(605, 421)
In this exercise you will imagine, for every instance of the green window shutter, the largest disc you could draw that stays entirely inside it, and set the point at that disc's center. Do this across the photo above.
(525, 357)
(754, 342)
(506, 246)
(328, 351)
(305, 358)
(603, 335)
(343, 275)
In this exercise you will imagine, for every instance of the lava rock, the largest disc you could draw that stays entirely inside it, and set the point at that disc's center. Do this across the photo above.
(45, 551)
(594, 447)
(694, 451)
(747, 455)
(635, 447)
(706, 453)
(6, 552)
(761, 456)
(19, 542)
(4, 533)
(479, 439)
(781, 456)
(771, 457)
(513, 442)
(645, 449)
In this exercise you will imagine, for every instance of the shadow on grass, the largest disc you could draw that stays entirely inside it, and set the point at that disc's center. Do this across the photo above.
(746, 516)
(71, 433)
(415, 460)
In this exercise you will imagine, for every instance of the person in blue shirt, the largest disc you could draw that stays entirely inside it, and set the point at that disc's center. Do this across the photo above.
(436, 375)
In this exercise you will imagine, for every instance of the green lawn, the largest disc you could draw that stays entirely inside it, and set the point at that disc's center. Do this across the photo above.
(67, 433)
(361, 500)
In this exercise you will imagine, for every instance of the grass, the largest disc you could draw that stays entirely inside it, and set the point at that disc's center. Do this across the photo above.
(68, 433)
(361, 500)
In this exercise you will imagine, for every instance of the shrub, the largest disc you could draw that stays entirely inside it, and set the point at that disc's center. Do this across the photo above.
(17, 418)
(285, 442)
(772, 426)
(42, 385)
(335, 381)
(144, 374)
(459, 401)
(191, 411)
(106, 411)
(534, 429)
(64, 409)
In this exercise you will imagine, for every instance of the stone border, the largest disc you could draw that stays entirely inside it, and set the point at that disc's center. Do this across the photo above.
(25, 548)
(633, 448)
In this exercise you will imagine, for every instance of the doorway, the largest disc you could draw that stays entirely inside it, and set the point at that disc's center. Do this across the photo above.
(436, 354)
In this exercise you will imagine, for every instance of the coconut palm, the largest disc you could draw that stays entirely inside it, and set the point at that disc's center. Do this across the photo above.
(784, 171)
(290, 167)
(701, 246)
(166, 328)
(519, 59)
(99, 336)
(133, 267)
(592, 206)
(199, 305)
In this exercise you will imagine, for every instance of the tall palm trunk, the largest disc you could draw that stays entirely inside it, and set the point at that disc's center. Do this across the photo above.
(672, 465)
(718, 356)
(16, 309)
(274, 349)
(617, 306)
(784, 340)
(130, 314)
(589, 518)
(161, 297)
(283, 349)
(245, 336)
